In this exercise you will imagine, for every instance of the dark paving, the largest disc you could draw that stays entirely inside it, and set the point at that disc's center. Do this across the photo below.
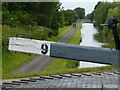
(85, 80)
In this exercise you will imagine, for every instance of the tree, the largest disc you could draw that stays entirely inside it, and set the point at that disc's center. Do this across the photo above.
(70, 16)
(101, 11)
(89, 16)
(80, 12)
(43, 12)
(114, 12)
(46, 13)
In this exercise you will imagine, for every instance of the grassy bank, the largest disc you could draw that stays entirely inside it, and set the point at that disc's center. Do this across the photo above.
(105, 36)
(61, 32)
(63, 64)
(11, 60)
(47, 73)
(76, 38)
(62, 70)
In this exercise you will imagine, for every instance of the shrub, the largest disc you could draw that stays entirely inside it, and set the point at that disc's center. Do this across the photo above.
(17, 18)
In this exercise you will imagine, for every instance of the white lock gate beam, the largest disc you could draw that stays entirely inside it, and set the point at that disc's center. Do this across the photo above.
(67, 51)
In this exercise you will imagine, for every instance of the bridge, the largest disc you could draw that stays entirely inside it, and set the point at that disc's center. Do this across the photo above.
(86, 21)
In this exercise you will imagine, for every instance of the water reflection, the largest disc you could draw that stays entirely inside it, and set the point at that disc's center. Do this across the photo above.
(87, 33)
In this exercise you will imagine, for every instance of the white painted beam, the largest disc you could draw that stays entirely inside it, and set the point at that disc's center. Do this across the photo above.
(68, 51)
(29, 46)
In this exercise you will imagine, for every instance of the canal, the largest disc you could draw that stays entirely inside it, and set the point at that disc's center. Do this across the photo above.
(87, 33)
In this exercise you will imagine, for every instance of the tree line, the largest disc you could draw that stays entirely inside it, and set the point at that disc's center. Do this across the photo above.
(102, 11)
(29, 13)
(100, 14)
(45, 14)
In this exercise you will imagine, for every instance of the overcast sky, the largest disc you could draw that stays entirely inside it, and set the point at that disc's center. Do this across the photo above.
(87, 4)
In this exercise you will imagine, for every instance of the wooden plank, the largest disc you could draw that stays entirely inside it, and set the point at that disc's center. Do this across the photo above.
(29, 46)
(68, 51)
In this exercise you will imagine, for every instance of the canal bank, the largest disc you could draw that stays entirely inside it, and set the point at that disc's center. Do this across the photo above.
(87, 33)
(63, 64)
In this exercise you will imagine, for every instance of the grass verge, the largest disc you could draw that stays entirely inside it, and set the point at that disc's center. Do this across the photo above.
(47, 73)
(61, 32)
(63, 64)
(61, 71)
(10, 60)
(17, 62)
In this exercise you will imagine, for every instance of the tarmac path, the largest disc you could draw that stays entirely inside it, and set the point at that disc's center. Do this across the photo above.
(40, 62)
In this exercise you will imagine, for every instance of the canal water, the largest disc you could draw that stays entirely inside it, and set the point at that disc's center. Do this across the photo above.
(87, 33)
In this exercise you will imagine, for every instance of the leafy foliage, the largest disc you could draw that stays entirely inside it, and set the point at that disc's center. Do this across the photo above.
(17, 18)
(80, 12)
(42, 20)
(89, 16)
(102, 12)
(114, 12)
(12, 60)
(27, 13)
(45, 14)
(70, 16)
